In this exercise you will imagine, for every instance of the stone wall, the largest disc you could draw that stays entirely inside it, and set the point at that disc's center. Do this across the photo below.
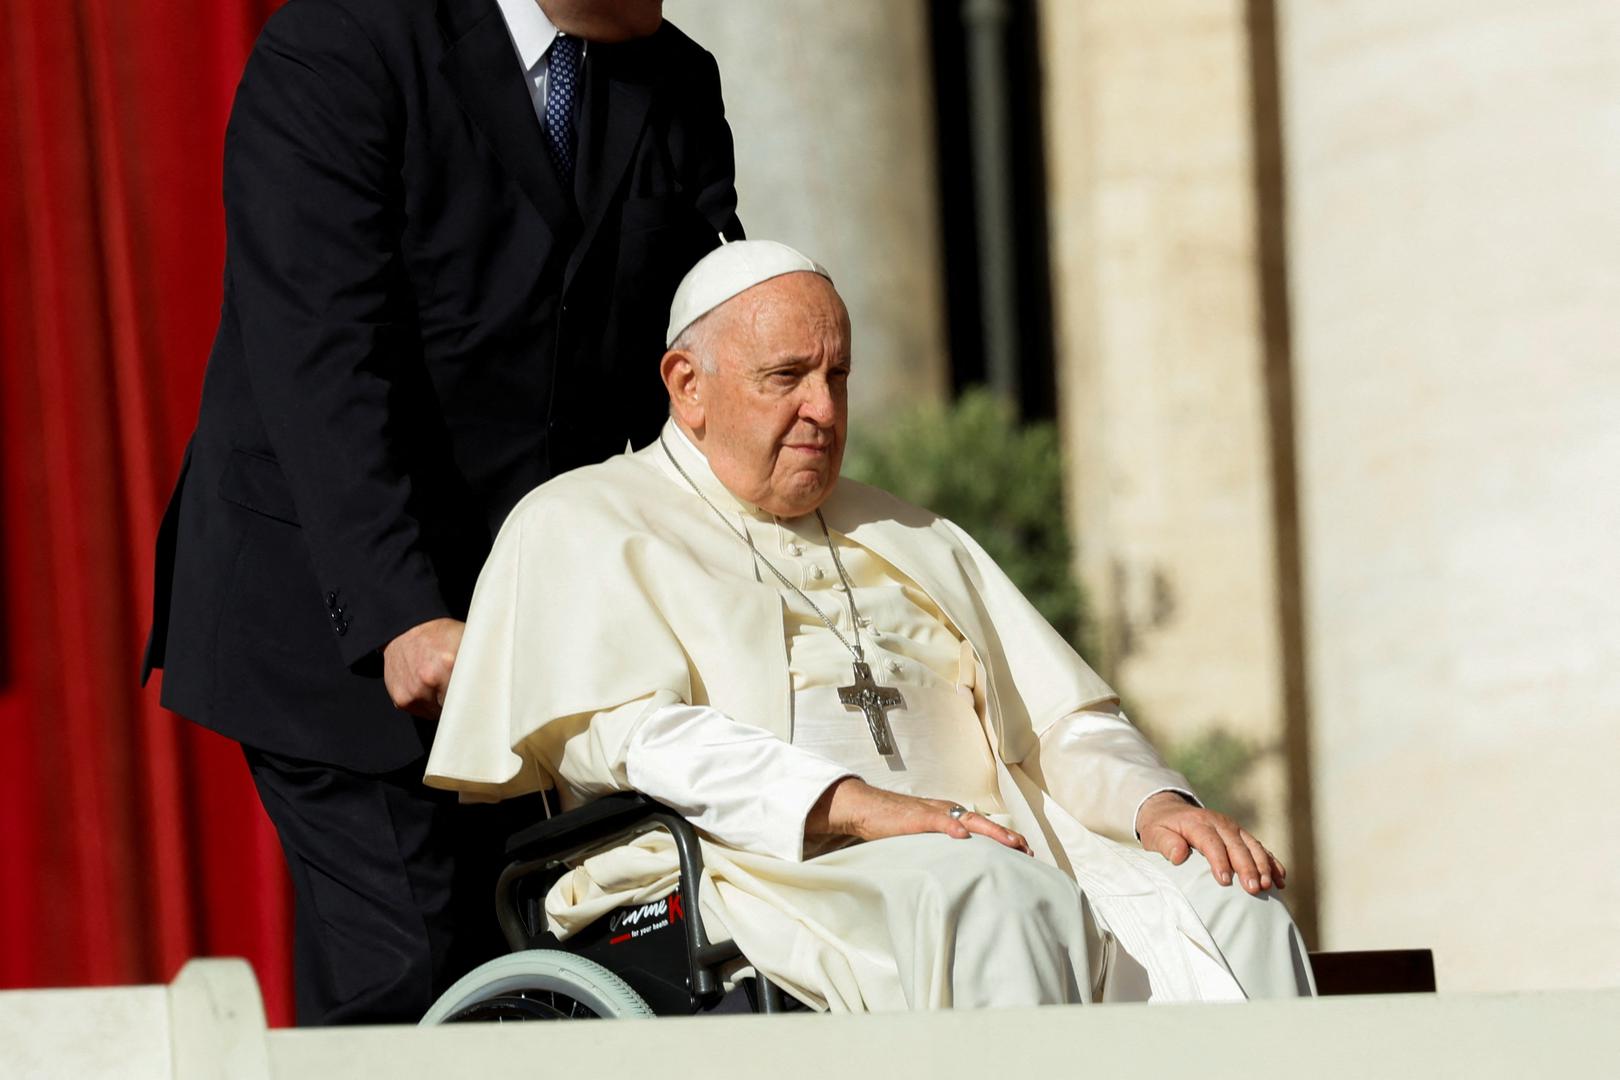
(831, 106)
(1162, 367)
(1454, 261)
(1403, 326)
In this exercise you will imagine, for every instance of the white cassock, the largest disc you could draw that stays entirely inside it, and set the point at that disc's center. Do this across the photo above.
(623, 637)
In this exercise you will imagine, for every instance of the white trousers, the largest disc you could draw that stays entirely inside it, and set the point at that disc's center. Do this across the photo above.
(932, 922)
(911, 922)
(929, 922)
(1256, 935)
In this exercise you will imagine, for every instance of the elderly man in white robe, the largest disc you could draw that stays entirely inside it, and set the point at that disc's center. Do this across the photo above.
(911, 792)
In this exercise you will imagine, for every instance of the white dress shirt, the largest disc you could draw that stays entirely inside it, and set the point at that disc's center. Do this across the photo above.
(532, 34)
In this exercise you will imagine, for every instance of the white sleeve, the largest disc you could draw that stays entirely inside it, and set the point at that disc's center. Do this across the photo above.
(738, 783)
(1100, 769)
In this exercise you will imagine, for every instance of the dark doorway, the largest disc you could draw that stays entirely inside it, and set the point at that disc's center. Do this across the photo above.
(951, 22)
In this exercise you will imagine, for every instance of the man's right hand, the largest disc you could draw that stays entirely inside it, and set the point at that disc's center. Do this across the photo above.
(853, 807)
(417, 665)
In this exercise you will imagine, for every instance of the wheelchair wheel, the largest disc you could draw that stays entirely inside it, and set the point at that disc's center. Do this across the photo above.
(537, 984)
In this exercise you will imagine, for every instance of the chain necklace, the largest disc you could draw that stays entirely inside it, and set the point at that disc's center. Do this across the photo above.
(865, 694)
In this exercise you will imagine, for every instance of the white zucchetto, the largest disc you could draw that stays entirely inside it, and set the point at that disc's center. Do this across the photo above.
(728, 270)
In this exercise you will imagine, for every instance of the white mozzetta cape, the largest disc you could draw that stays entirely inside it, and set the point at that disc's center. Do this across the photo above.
(614, 590)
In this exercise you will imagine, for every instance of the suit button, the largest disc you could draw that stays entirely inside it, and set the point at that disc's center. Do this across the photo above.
(331, 599)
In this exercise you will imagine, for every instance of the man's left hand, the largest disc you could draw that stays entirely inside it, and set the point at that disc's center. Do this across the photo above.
(1172, 826)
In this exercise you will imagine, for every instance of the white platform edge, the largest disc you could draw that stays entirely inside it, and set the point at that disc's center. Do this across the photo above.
(217, 1022)
(210, 1023)
(1574, 1034)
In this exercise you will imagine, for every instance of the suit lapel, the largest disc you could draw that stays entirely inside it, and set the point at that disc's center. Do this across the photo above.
(483, 70)
(612, 116)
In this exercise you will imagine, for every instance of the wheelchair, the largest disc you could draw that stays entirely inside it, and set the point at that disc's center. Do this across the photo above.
(652, 959)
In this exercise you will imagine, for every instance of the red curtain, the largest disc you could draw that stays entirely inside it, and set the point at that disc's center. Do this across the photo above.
(130, 840)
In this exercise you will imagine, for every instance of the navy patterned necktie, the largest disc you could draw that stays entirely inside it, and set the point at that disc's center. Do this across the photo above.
(562, 85)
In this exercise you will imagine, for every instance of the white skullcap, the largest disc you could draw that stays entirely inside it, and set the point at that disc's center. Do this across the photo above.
(727, 271)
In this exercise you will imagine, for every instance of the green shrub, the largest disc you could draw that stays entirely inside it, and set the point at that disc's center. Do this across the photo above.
(1000, 480)
(1218, 764)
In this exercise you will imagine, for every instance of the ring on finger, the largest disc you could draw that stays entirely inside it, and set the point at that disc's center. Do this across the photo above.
(958, 812)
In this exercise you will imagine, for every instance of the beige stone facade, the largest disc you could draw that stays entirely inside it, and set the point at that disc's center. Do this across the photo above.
(1455, 270)
(1162, 366)
(832, 111)
(1448, 370)
(1335, 288)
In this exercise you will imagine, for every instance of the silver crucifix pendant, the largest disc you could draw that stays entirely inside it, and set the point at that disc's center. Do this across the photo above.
(875, 701)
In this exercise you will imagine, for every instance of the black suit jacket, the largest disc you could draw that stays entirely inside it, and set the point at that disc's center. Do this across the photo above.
(420, 325)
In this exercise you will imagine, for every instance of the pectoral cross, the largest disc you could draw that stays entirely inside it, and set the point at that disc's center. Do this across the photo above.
(875, 701)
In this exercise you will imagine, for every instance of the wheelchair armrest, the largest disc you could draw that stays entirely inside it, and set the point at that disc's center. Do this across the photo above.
(594, 821)
(541, 845)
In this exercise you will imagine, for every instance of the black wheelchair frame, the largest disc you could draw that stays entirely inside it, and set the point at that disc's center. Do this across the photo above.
(540, 854)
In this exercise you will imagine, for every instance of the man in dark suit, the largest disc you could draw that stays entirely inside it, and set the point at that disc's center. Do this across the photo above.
(454, 228)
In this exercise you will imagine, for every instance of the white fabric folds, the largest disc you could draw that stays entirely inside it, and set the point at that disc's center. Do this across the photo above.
(613, 592)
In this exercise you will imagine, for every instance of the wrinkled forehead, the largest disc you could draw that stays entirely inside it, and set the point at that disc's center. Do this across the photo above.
(793, 313)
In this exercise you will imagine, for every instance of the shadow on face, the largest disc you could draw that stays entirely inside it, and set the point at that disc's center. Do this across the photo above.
(606, 21)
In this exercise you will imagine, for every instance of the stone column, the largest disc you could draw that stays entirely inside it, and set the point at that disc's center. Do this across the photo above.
(1454, 228)
(1162, 373)
(832, 109)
